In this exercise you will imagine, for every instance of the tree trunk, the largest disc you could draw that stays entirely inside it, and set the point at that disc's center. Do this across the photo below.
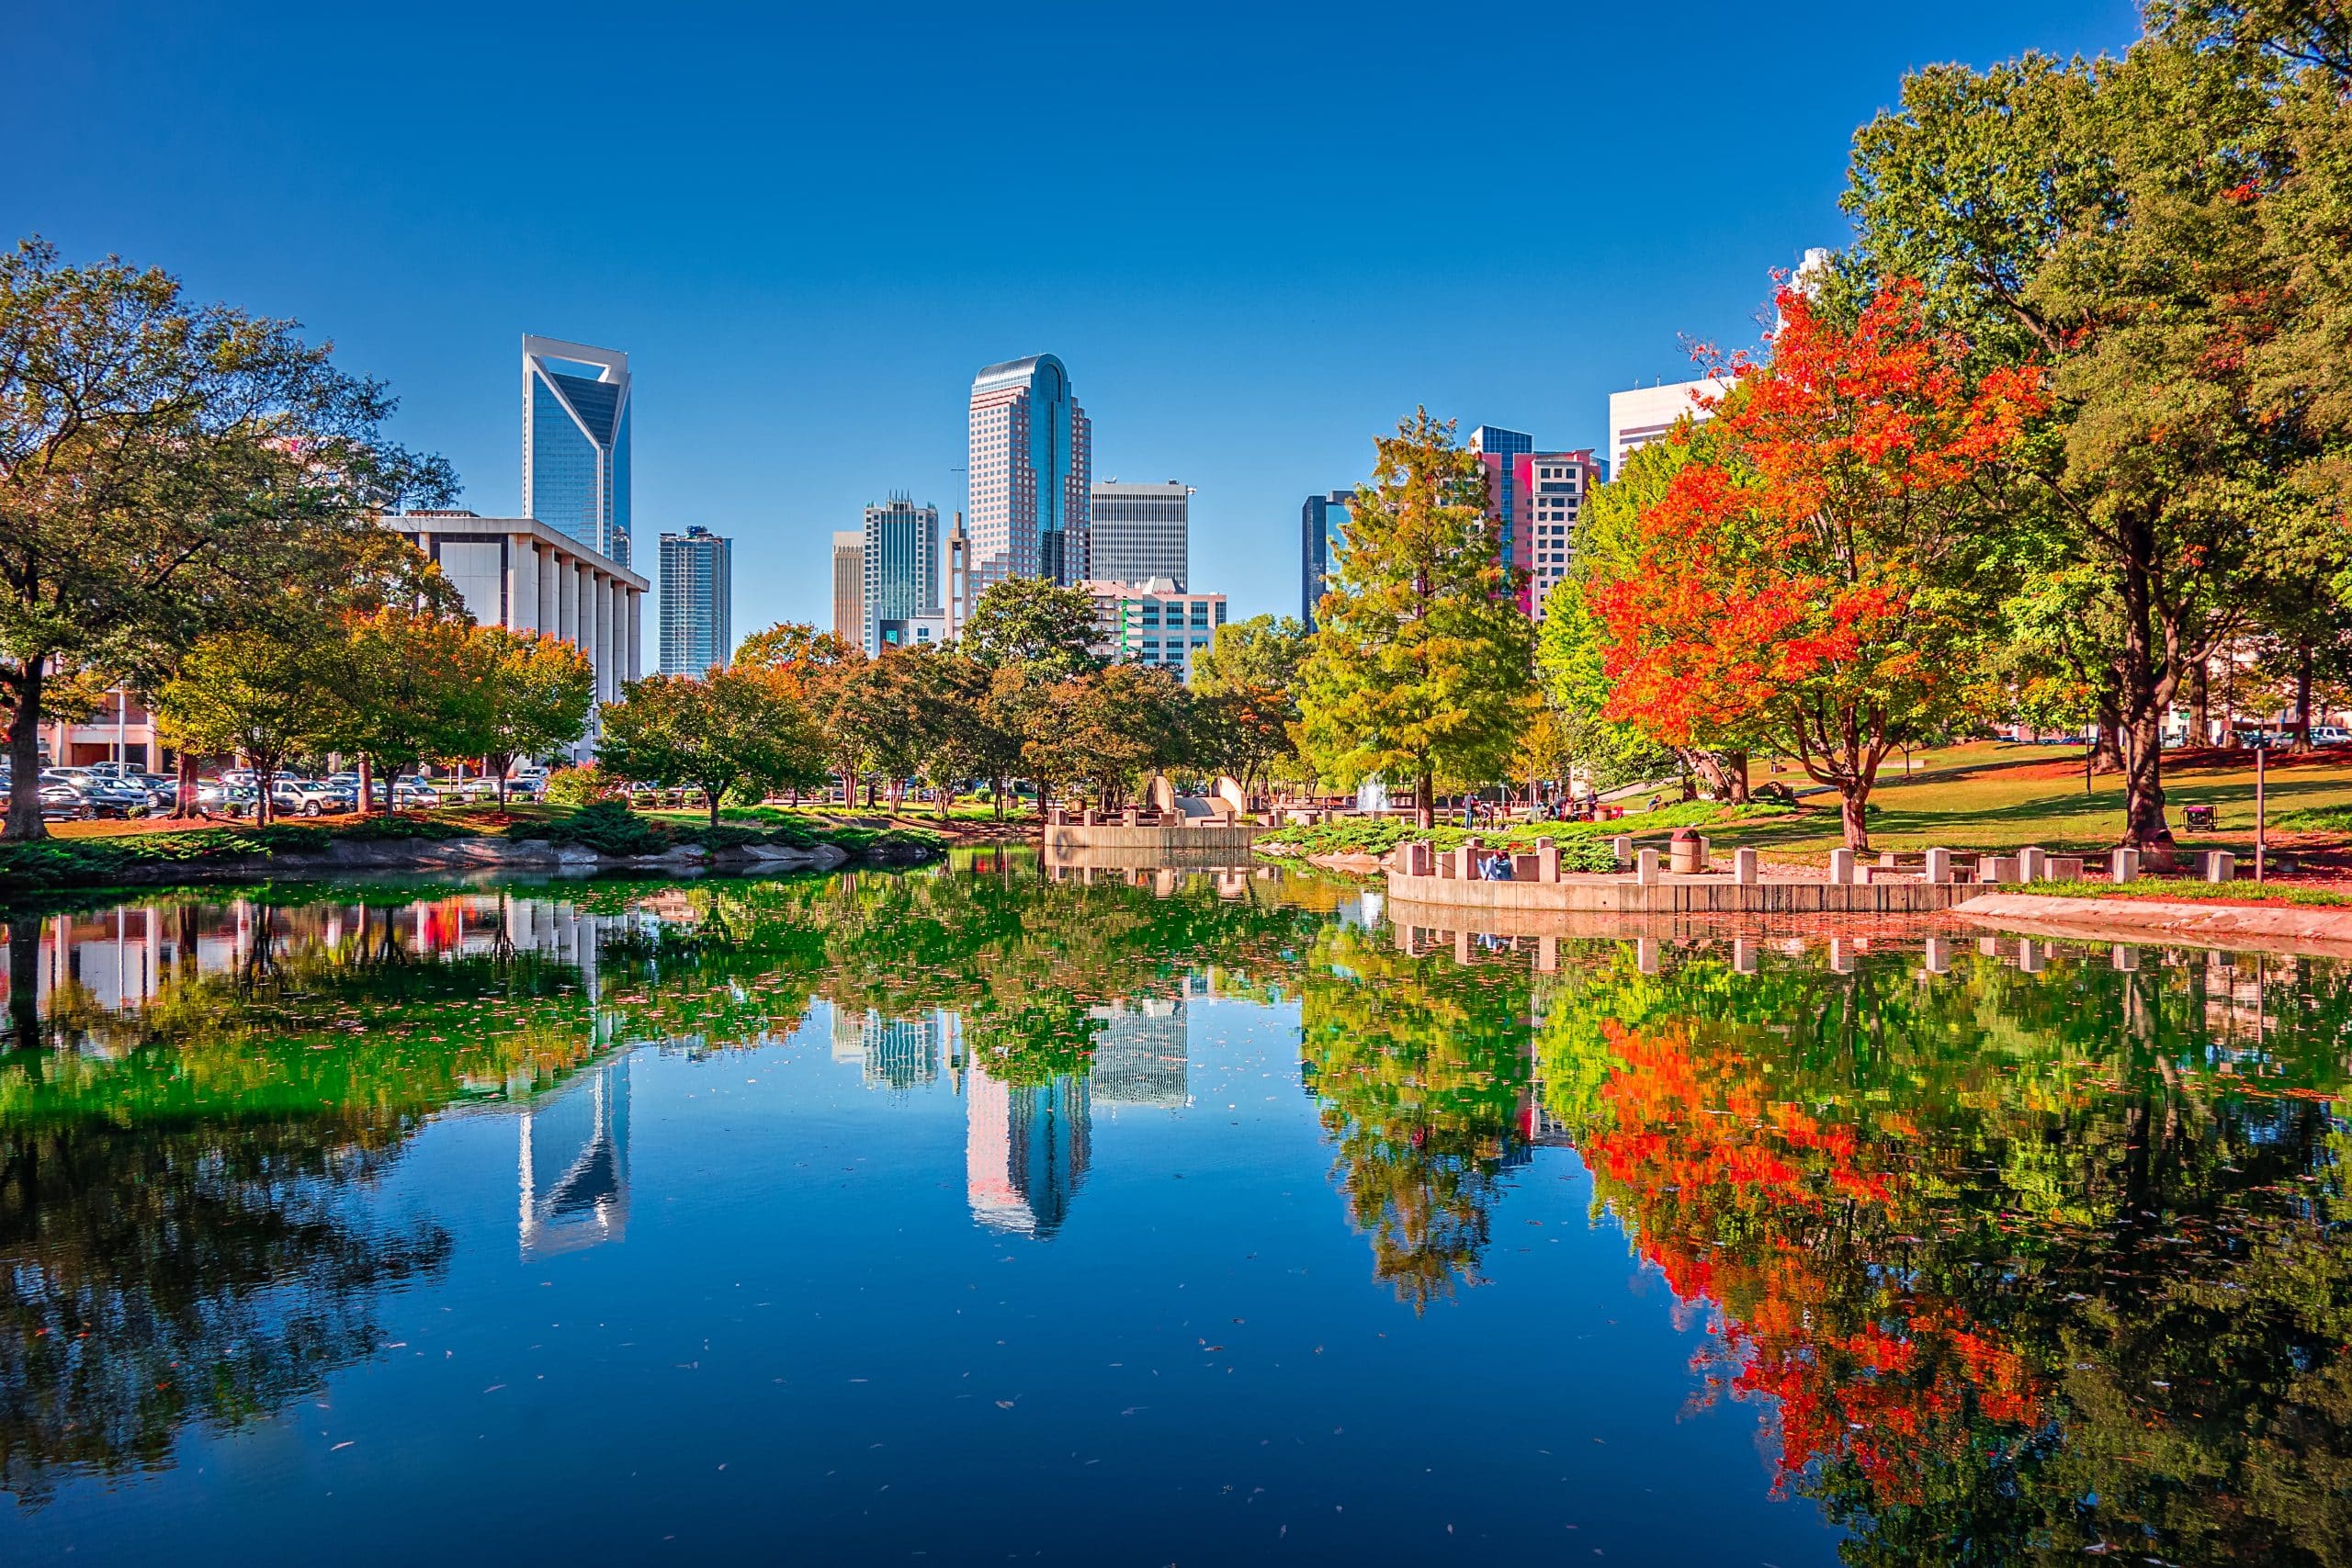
(2201, 721)
(367, 787)
(24, 685)
(2106, 742)
(24, 980)
(710, 797)
(1853, 800)
(2304, 697)
(1425, 803)
(2140, 699)
(184, 801)
(2144, 827)
(1735, 775)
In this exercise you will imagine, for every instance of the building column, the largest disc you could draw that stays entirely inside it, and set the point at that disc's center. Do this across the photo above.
(550, 594)
(566, 621)
(617, 593)
(522, 584)
(599, 622)
(636, 635)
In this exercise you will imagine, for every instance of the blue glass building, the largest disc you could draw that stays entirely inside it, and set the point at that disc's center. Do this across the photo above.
(575, 442)
(1323, 523)
(1031, 470)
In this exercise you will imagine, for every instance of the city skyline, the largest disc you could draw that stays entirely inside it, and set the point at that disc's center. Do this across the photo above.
(1230, 318)
(697, 586)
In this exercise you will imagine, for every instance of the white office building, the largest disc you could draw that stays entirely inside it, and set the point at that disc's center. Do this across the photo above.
(1645, 414)
(1141, 531)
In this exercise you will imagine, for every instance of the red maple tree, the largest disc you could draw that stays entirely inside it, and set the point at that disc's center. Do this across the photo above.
(1813, 578)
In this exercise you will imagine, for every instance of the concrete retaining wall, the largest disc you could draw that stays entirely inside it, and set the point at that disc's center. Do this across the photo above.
(1068, 838)
(1672, 895)
(2271, 928)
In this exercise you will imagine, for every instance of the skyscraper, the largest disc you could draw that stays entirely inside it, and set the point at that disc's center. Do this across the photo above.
(1140, 531)
(849, 588)
(1496, 450)
(1640, 416)
(899, 552)
(1552, 489)
(1323, 523)
(698, 600)
(575, 442)
(1031, 469)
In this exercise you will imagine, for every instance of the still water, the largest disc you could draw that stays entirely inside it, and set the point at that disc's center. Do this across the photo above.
(976, 1215)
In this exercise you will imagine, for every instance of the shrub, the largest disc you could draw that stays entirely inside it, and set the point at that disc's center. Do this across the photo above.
(607, 826)
(580, 786)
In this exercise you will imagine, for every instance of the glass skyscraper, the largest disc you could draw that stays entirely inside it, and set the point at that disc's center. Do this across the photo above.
(1031, 469)
(698, 600)
(575, 442)
(1323, 523)
(900, 558)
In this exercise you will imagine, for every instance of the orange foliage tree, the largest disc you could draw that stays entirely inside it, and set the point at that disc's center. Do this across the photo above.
(1813, 579)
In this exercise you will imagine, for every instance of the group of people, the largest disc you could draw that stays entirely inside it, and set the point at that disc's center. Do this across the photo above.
(1552, 804)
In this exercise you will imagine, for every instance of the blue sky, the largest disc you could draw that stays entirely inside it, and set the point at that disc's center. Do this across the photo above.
(1258, 235)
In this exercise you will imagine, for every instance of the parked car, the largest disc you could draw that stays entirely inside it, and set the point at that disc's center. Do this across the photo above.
(2331, 735)
(311, 798)
(106, 794)
(228, 797)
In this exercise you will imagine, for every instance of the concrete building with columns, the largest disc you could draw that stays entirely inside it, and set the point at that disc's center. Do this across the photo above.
(528, 576)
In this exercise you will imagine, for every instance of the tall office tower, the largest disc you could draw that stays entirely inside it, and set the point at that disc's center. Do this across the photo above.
(1642, 415)
(956, 599)
(1323, 523)
(575, 442)
(1026, 1149)
(901, 559)
(698, 600)
(1552, 487)
(1496, 450)
(849, 588)
(1032, 468)
(1140, 531)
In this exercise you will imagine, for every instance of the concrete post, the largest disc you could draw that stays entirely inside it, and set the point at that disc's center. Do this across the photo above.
(1466, 861)
(1990, 946)
(1706, 849)
(1841, 867)
(2031, 957)
(2124, 865)
(1939, 866)
(1744, 869)
(1130, 818)
(1089, 819)
(1841, 961)
(1645, 947)
(2125, 958)
(1939, 957)
(1621, 847)
(1743, 951)
(2032, 865)
(2221, 866)
(1462, 946)
(2000, 868)
(1548, 861)
(1547, 955)
(1646, 869)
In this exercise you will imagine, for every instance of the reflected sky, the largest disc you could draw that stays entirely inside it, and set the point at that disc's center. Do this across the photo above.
(997, 1211)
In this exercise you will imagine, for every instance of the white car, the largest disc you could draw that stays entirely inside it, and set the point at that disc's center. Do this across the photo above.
(2331, 735)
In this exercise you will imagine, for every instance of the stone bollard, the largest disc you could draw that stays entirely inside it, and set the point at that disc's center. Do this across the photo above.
(1089, 819)
(1743, 955)
(1707, 852)
(1054, 817)
(1130, 818)
(2221, 866)
(1939, 957)
(2000, 868)
(2031, 864)
(1841, 960)
(1841, 867)
(1939, 866)
(2031, 956)
(1548, 861)
(1621, 847)
(1645, 947)
(2125, 958)
(1990, 946)
(2123, 865)
(1744, 869)
(1645, 868)
(1466, 861)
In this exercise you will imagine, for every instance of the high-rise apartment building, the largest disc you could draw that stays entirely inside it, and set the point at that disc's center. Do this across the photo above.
(849, 588)
(575, 442)
(1498, 452)
(1138, 531)
(1323, 524)
(1031, 469)
(899, 553)
(1154, 621)
(1640, 416)
(698, 600)
(1552, 487)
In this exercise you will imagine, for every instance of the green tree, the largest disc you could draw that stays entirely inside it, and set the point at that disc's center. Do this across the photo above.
(164, 468)
(1108, 727)
(268, 696)
(738, 727)
(813, 666)
(1421, 659)
(536, 694)
(411, 685)
(1029, 621)
(1246, 708)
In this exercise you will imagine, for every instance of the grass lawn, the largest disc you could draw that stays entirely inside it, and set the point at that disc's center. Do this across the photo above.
(1998, 795)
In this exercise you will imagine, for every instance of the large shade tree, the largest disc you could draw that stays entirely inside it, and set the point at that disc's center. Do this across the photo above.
(165, 466)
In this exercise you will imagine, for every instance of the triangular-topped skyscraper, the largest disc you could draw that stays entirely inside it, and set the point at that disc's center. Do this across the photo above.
(575, 442)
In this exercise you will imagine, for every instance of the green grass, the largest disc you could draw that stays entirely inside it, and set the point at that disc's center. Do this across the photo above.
(94, 861)
(2173, 891)
(1584, 846)
(1986, 795)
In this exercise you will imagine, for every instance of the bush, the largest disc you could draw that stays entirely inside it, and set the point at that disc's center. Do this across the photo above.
(580, 786)
(607, 826)
(1583, 846)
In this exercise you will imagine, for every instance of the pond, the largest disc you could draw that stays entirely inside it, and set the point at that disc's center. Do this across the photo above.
(984, 1214)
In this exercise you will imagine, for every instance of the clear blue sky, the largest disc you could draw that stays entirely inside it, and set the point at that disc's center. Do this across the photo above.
(1256, 234)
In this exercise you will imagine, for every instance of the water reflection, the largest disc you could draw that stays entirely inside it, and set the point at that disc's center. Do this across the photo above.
(2011, 1248)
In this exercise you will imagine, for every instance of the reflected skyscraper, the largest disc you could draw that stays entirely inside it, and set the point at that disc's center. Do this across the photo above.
(1026, 1149)
(1141, 1057)
(574, 1164)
